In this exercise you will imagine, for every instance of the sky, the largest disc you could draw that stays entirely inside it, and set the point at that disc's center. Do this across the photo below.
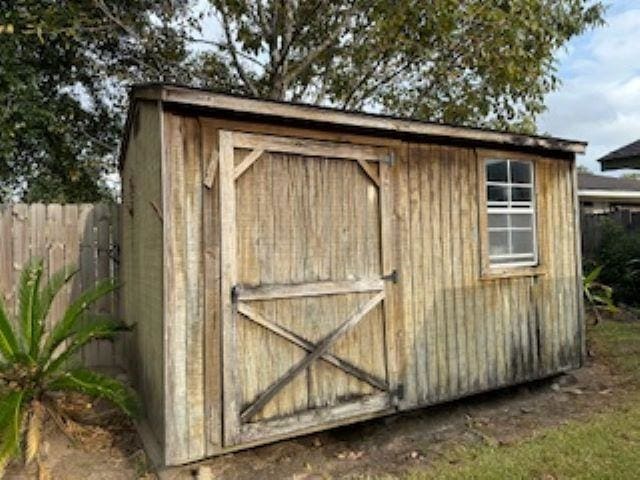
(599, 100)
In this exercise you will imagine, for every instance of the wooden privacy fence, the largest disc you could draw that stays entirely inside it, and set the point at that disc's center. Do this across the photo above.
(592, 227)
(82, 235)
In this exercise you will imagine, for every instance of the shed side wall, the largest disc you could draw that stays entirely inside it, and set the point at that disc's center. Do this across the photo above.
(141, 261)
(463, 333)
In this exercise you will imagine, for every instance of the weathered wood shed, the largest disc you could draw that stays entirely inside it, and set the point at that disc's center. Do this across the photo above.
(292, 268)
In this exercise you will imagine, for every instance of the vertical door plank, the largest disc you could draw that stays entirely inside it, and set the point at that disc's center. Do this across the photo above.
(228, 280)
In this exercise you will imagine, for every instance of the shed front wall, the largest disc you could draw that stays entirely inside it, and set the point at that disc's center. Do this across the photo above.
(464, 333)
(456, 332)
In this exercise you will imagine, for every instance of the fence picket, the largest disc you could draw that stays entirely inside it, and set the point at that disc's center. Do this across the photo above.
(83, 236)
(591, 225)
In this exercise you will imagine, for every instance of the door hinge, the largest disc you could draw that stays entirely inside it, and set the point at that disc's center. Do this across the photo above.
(392, 277)
(397, 395)
(400, 391)
(234, 294)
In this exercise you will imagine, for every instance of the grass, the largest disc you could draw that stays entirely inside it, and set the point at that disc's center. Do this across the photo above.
(605, 447)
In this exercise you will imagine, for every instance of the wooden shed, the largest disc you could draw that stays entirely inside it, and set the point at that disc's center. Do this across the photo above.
(292, 268)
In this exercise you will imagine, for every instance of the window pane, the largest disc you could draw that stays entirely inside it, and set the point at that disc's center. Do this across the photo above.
(498, 243)
(520, 172)
(497, 220)
(497, 194)
(497, 171)
(521, 220)
(521, 194)
(522, 241)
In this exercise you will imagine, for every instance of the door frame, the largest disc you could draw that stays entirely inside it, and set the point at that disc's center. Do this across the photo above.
(233, 432)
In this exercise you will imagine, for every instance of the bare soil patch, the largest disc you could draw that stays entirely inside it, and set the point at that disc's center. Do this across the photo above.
(105, 446)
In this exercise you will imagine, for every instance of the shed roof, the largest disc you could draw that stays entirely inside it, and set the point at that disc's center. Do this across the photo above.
(312, 115)
(624, 157)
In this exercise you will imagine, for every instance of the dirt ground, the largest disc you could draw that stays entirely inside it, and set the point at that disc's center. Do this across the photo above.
(389, 446)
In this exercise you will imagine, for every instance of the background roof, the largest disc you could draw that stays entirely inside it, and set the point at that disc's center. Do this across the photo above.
(589, 181)
(624, 157)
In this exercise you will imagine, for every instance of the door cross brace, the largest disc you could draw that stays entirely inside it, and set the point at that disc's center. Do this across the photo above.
(319, 350)
(305, 344)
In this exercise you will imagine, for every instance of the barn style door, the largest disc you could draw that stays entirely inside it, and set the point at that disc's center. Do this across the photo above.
(305, 278)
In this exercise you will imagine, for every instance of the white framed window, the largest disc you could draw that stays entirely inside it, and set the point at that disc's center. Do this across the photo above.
(510, 200)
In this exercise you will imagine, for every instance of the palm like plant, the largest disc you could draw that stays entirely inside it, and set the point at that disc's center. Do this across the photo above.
(599, 296)
(36, 364)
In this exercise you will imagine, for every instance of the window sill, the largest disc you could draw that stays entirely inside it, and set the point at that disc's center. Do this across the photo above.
(489, 273)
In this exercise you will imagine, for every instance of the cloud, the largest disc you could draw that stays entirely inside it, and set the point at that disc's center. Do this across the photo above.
(599, 100)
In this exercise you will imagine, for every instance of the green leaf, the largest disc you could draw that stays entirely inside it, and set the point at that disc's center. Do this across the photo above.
(98, 386)
(58, 280)
(593, 275)
(66, 327)
(28, 292)
(11, 420)
(8, 343)
(95, 327)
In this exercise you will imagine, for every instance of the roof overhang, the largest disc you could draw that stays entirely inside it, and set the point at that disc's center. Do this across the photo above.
(308, 114)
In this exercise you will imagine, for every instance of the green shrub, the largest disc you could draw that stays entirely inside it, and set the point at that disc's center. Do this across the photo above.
(619, 254)
(36, 363)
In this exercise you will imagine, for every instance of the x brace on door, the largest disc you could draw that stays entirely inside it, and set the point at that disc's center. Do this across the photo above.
(229, 165)
(318, 350)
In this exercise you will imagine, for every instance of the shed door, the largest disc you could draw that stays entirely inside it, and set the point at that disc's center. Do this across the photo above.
(305, 276)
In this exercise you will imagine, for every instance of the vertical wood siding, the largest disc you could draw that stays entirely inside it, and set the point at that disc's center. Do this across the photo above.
(142, 263)
(464, 333)
(184, 289)
(455, 332)
(80, 236)
(307, 219)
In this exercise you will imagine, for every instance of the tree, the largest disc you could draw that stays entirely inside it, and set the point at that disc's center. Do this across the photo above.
(486, 63)
(472, 62)
(63, 66)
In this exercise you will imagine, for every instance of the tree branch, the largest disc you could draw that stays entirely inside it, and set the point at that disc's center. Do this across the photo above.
(234, 54)
(131, 32)
(223, 46)
(311, 56)
(383, 81)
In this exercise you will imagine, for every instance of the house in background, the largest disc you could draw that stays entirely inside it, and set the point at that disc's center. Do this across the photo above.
(600, 194)
(624, 157)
